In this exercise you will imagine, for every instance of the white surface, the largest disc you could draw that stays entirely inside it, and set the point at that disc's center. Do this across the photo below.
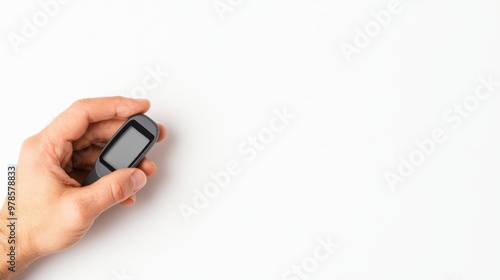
(322, 176)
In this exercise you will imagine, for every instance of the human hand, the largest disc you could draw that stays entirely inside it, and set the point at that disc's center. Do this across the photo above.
(53, 211)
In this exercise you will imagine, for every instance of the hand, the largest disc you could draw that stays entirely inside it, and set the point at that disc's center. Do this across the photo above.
(53, 211)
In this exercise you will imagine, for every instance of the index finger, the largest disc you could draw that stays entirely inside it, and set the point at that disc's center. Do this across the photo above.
(74, 121)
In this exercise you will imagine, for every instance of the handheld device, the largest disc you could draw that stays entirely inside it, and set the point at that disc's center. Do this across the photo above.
(128, 146)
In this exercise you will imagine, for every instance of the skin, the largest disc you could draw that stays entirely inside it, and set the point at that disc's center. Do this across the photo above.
(53, 163)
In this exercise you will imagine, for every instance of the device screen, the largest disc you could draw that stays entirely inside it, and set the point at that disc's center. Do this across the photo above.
(123, 152)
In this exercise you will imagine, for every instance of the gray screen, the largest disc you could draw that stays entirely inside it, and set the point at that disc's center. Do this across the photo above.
(126, 148)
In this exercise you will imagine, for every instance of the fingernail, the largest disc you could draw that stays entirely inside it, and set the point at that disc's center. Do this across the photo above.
(138, 180)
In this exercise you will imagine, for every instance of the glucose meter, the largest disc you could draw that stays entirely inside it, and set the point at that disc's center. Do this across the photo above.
(128, 146)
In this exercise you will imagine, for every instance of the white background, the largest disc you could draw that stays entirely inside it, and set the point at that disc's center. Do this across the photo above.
(323, 176)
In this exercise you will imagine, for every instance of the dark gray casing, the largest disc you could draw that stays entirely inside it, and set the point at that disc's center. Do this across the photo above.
(99, 170)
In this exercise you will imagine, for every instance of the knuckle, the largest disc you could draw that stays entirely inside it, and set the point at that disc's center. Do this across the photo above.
(122, 104)
(117, 192)
(27, 143)
(80, 102)
(120, 98)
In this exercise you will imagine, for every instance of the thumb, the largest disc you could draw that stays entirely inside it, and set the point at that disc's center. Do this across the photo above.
(113, 188)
